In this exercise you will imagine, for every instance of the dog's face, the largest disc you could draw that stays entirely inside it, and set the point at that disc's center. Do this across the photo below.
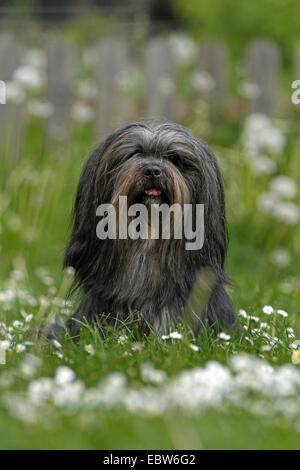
(160, 165)
(148, 164)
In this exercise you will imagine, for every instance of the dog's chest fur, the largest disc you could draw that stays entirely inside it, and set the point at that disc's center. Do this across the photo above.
(165, 282)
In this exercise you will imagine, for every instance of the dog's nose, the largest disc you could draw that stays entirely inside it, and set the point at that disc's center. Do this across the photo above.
(152, 171)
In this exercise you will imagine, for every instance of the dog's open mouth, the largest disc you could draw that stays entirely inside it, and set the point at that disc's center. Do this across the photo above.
(153, 192)
(153, 196)
(148, 195)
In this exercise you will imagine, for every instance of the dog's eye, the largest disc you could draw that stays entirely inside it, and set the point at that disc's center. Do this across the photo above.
(130, 155)
(173, 157)
(181, 162)
(176, 160)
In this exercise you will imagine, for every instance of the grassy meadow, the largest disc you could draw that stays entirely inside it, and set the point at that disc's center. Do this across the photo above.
(117, 391)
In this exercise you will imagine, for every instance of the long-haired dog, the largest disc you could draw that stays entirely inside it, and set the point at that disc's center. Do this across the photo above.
(153, 282)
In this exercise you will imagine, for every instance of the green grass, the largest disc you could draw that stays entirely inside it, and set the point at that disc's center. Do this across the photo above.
(36, 195)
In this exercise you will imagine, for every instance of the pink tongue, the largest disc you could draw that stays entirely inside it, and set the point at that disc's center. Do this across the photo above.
(153, 192)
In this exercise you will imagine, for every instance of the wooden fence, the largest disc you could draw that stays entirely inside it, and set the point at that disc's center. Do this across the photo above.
(115, 67)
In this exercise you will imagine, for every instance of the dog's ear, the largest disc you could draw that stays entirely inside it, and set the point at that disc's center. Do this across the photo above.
(83, 244)
(215, 244)
(82, 241)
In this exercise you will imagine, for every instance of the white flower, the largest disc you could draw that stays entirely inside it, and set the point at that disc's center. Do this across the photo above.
(29, 365)
(149, 374)
(17, 324)
(44, 301)
(64, 375)
(56, 343)
(122, 339)
(87, 89)
(184, 48)
(203, 82)
(263, 165)
(249, 90)
(20, 348)
(58, 354)
(243, 313)
(17, 275)
(283, 313)
(224, 336)
(4, 345)
(40, 108)
(280, 257)
(28, 76)
(287, 286)
(89, 349)
(194, 347)
(287, 212)
(268, 309)
(256, 319)
(267, 202)
(175, 335)
(296, 357)
(40, 390)
(272, 140)
(266, 348)
(164, 337)
(284, 186)
(69, 271)
(256, 123)
(259, 135)
(82, 112)
(68, 395)
(29, 317)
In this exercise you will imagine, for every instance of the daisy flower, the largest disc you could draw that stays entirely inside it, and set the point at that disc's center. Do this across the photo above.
(175, 335)
(4, 345)
(29, 317)
(89, 349)
(243, 313)
(122, 339)
(224, 336)
(20, 348)
(59, 354)
(64, 375)
(296, 357)
(268, 310)
(283, 313)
